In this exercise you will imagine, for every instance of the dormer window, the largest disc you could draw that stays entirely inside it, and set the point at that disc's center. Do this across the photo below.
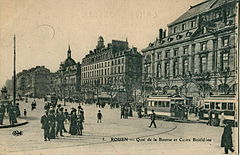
(193, 23)
(183, 27)
(175, 30)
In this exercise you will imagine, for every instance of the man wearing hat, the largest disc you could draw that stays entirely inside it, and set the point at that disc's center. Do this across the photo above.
(153, 117)
(45, 125)
(60, 121)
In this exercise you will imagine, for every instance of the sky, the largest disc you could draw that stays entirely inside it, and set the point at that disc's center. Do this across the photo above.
(45, 28)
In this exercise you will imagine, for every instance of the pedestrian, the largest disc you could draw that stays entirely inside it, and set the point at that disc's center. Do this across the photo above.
(25, 112)
(80, 111)
(45, 125)
(79, 124)
(153, 117)
(210, 115)
(226, 140)
(221, 123)
(17, 110)
(73, 122)
(122, 112)
(60, 118)
(2, 112)
(99, 116)
(12, 115)
(52, 120)
(126, 112)
(66, 115)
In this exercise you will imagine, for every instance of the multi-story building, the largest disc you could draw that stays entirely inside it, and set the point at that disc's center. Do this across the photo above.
(33, 82)
(66, 81)
(197, 56)
(113, 68)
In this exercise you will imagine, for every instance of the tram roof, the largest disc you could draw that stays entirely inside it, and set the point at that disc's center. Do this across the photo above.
(221, 98)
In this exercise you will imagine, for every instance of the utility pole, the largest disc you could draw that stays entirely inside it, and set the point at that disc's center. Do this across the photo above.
(14, 71)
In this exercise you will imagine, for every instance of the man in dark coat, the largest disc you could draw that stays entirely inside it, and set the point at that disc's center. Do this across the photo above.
(45, 125)
(226, 140)
(99, 116)
(60, 118)
(2, 112)
(153, 117)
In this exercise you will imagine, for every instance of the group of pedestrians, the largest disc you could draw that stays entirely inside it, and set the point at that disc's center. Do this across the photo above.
(12, 111)
(54, 118)
(126, 110)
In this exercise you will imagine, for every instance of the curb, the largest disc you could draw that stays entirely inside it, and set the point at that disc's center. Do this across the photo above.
(14, 125)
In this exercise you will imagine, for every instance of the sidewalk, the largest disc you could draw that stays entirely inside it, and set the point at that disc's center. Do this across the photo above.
(6, 124)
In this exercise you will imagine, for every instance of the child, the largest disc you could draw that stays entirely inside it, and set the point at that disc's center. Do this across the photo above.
(99, 116)
(25, 112)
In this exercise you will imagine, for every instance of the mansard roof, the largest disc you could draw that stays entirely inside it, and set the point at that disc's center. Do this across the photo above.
(199, 9)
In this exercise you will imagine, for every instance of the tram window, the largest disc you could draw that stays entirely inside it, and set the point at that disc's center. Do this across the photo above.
(207, 106)
(212, 105)
(155, 104)
(159, 103)
(163, 104)
(167, 105)
(224, 106)
(230, 106)
(217, 105)
(149, 103)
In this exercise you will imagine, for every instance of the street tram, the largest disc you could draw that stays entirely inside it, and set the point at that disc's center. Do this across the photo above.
(167, 105)
(222, 105)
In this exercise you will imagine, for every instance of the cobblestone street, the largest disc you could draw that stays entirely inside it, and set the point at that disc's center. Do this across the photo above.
(98, 138)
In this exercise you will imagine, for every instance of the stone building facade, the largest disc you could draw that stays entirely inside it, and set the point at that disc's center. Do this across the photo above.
(33, 82)
(113, 69)
(66, 81)
(196, 57)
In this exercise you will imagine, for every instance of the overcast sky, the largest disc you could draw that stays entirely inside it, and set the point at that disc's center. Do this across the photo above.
(44, 28)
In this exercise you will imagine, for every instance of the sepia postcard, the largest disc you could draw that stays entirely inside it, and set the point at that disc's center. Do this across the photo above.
(119, 77)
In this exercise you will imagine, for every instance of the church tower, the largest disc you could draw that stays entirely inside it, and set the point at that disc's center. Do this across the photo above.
(69, 52)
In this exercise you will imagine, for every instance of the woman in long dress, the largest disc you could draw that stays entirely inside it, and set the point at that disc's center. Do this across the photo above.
(73, 123)
(52, 120)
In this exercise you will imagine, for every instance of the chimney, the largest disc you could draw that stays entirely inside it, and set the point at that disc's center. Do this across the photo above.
(160, 34)
(164, 33)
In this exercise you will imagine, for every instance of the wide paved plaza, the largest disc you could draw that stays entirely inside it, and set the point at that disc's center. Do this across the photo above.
(133, 136)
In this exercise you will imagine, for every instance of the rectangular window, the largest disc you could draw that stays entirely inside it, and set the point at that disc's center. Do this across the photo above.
(175, 68)
(175, 51)
(167, 67)
(185, 66)
(203, 64)
(203, 46)
(225, 42)
(185, 50)
(159, 55)
(224, 60)
(167, 54)
(193, 48)
(159, 70)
